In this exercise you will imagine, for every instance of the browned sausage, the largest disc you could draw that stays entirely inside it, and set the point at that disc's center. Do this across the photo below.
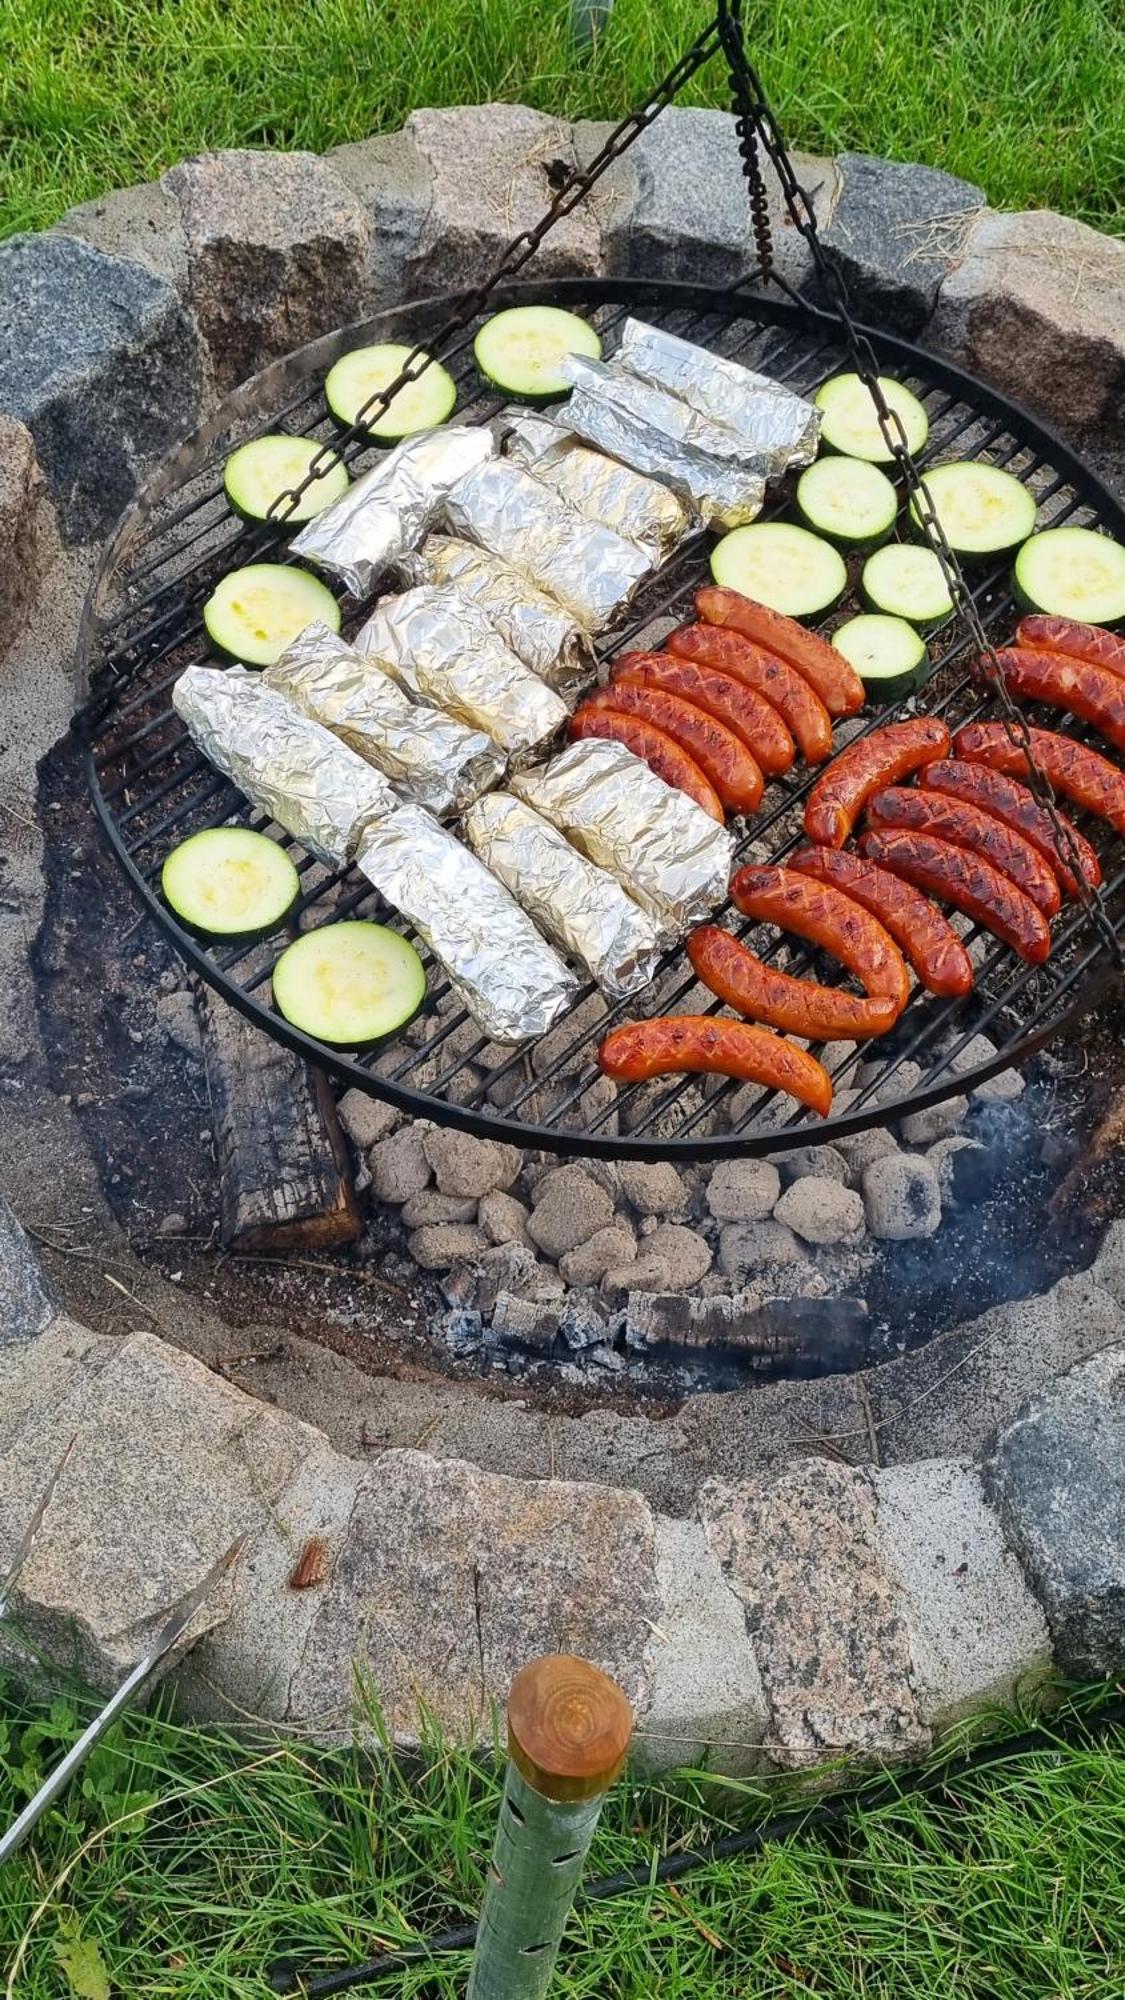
(971, 884)
(796, 1006)
(751, 719)
(1079, 773)
(828, 918)
(917, 925)
(1080, 642)
(724, 761)
(1006, 799)
(1091, 693)
(826, 670)
(655, 749)
(840, 793)
(794, 698)
(690, 1043)
(968, 826)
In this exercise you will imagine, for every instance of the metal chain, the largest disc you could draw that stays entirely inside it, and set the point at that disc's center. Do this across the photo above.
(746, 126)
(751, 104)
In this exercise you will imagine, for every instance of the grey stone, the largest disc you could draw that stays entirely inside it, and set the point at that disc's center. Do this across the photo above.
(977, 1636)
(494, 169)
(101, 362)
(895, 232)
(277, 253)
(179, 1022)
(743, 1190)
(939, 1121)
(683, 1254)
(35, 1372)
(944, 1158)
(1035, 307)
(707, 1699)
(394, 187)
(503, 1218)
(825, 1162)
(606, 1250)
(799, 1548)
(431, 1207)
(399, 1167)
(569, 1209)
(450, 1579)
(25, 1302)
(25, 520)
(366, 1119)
(140, 223)
(170, 1463)
(1108, 1269)
(470, 1167)
(441, 1244)
(747, 1248)
(653, 1187)
(1057, 1479)
(821, 1211)
(901, 1198)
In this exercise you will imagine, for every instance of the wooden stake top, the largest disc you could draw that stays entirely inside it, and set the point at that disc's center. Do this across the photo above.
(569, 1727)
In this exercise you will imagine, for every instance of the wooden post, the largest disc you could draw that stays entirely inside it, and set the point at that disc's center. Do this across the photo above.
(568, 1736)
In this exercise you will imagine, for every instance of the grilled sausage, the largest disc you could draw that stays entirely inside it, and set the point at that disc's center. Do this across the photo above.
(971, 884)
(751, 719)
(840, 793)
(697, 1043)
(1077, 641)
(928, 939)
(796, 1006)
(1007, 800)
(658, 751)
(1093, 694)
(794, 698)
(828, 918)
(1079, 773)
(968, 826)
(826, 670)
(724, 761)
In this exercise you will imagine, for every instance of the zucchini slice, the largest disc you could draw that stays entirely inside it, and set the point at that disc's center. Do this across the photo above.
(983, 510)
(254, 613)
(887, 654)
(1072, 573)
(351, 984)
(418, 406)
(907, 582)
(850, 421)
(231, 883)
(782, 566)
(258, 473)
(847, 499)
(520, 349)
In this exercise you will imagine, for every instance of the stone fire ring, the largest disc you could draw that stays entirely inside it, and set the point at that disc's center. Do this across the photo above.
(834, 1568)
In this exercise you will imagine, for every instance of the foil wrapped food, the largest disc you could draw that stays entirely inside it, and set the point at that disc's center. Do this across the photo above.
(540, 633)
(430, 758)
(287, 765)
(671, 857)
(658, 433)
(779, 428)
(442, 648)
(388, 510)
(580, 907)
(640, 509)
(512, 981)
(586, 567)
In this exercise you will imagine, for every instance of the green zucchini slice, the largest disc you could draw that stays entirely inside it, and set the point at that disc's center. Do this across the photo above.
(983, 510)
(887, 654)
(520, 350)
(229, 882)
(850, 421)
(907, 582)
(782, 566)
(1072, 573)
(351, 985)
(258, 473)
(418, 406)
(254, 613)
(848, 500)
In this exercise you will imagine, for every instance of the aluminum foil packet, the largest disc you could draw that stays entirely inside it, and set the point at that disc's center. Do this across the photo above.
(431, 759)
(580, 907)
(779, 428)
(540, 633)
(658, 433)
(288, 766)
(512, 981)
(671, 857)
(389, 509)
(640, 509)
(442, 648)
(586, 567)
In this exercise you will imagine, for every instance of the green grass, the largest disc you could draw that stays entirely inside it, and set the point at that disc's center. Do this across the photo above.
(1022, 96)
(188, 1862)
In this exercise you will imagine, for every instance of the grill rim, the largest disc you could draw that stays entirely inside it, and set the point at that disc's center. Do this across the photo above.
(1092, 976)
